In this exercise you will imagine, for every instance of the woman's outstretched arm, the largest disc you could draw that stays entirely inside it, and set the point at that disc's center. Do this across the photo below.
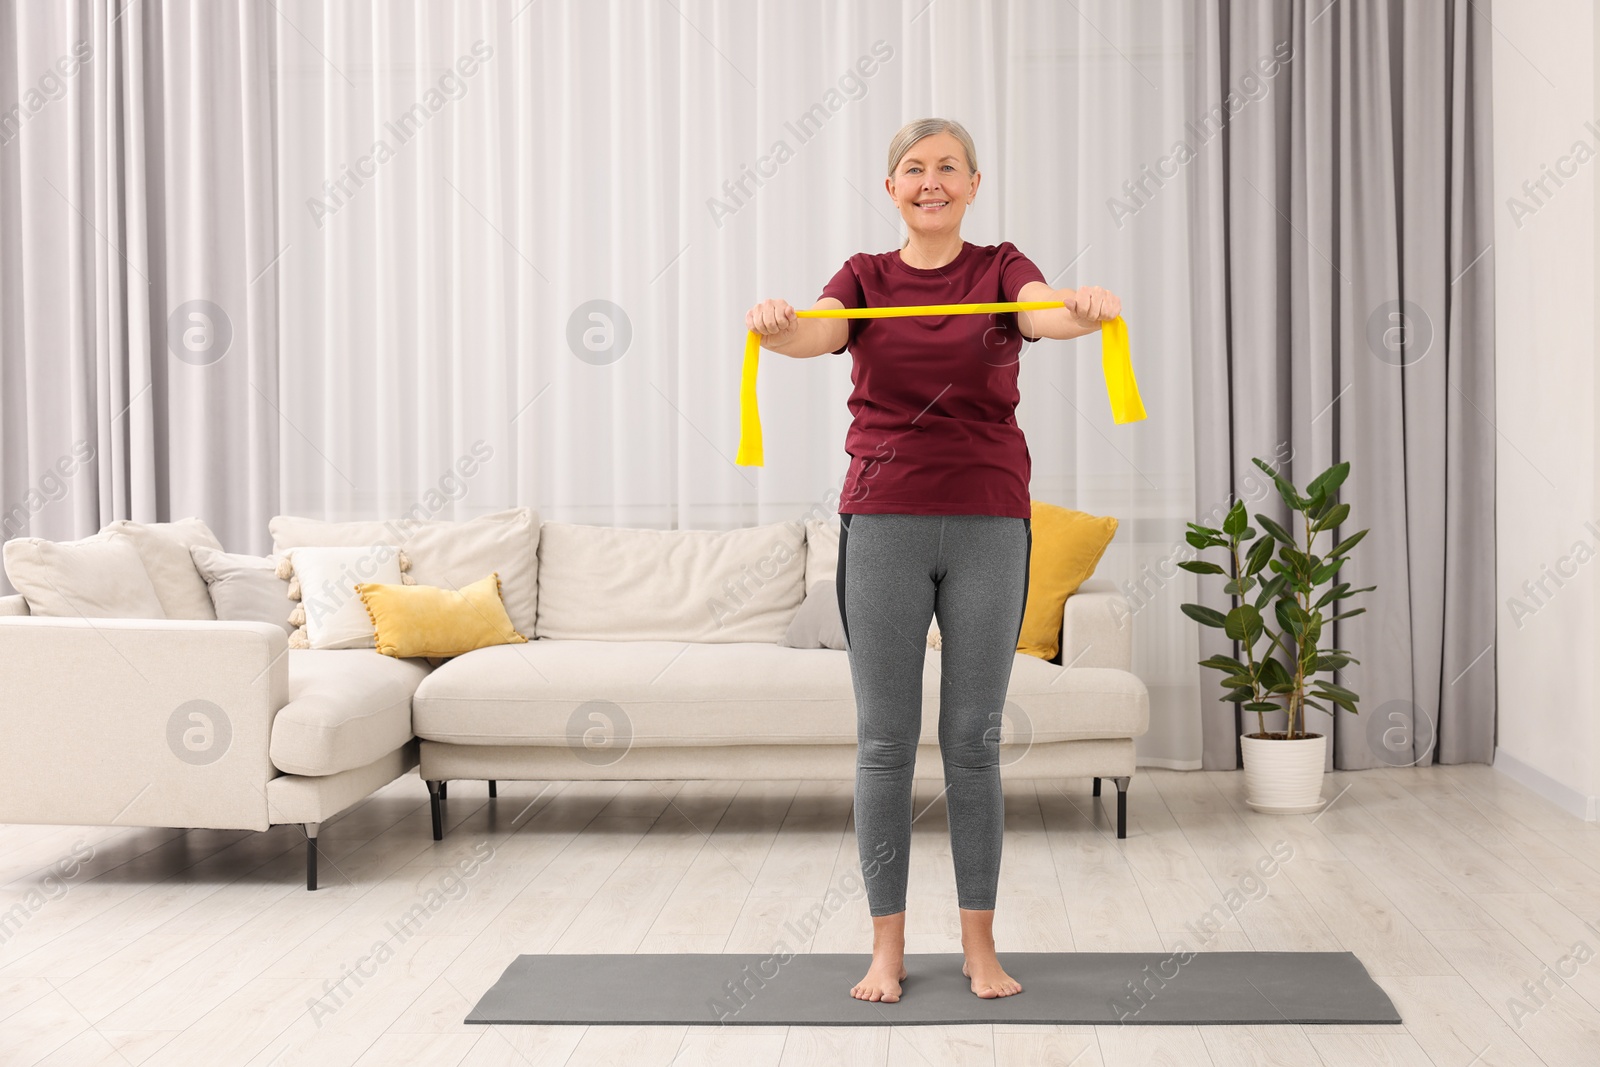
(785, 333)
(1085, 309)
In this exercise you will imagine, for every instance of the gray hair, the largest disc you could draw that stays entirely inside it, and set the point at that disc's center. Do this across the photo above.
(912, 132)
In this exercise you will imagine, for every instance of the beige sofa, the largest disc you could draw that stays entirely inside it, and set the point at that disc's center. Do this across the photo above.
(656, 655)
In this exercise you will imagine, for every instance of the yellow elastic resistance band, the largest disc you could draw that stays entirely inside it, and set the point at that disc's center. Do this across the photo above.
(1115, 363)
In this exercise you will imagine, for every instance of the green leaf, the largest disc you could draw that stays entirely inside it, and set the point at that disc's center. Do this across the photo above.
(1294, 500)
(1239, 696)
(1203, 529)
(1331, 661)
(1274, 675)
(1330, 480)
(1330, 689)
(1346, 614)
(1337, 514)
(1236, 520)
(1278, 532)
(1204, 615)
(1347, 544)
(1291, 616)
(1203, 541)
(1257, 557)
(1201, 566)
(1331, 595)
(1343, 702)
(1313, 632)
(1271, 587)
(1262, 705)
(1239, 587)
(1327, 570)
(1223, 663)
(1243, 623)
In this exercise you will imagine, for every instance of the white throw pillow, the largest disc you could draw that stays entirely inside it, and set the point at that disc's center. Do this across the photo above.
(443, 552)
(164, 548)
(98, 577)
(335, 615)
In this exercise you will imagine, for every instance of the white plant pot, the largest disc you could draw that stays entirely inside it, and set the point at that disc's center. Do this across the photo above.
(1284, 777)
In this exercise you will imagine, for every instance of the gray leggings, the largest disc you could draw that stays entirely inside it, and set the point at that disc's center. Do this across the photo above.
(896, 572)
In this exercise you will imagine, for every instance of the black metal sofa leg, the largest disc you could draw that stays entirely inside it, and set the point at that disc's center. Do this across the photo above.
(311, 854)
(1122, 805)
(492, 791)
(1097, 785)
(436, 794)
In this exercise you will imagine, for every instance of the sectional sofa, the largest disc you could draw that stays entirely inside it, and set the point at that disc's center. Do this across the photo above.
(652, 654)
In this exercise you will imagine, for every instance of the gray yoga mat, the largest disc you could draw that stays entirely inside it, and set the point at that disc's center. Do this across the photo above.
(813, 989)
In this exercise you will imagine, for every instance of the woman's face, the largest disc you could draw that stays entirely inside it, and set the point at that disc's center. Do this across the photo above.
(932, 187)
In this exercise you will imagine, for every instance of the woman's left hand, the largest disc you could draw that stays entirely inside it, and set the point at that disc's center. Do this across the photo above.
(1091, 305)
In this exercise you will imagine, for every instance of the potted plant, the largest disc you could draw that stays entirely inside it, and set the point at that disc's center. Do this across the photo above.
(1282, 770)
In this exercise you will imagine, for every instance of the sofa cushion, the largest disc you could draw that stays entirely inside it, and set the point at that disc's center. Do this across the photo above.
(667, 693)
(443, 552)
(608, 583)
(97, 577)
(346, 708)
(244, 588)
(164, 548)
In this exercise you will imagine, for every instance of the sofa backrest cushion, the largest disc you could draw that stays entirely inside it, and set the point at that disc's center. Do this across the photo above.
(164, 548)
(443, 552)
(607, 583)
(98, 577)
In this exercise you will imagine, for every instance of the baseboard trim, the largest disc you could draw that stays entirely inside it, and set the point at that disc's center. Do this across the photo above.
(1569, 800)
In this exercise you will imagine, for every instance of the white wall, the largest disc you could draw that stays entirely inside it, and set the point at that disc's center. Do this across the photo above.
(1547, 394)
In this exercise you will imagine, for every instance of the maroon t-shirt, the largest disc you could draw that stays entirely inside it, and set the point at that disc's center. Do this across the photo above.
(935, 429)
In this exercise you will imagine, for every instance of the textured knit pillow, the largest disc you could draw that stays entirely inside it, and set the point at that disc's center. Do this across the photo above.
(1067, 545)
(326, 578)
(426, 620)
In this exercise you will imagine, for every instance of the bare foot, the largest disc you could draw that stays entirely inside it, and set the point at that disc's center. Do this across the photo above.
(880, 983)
(989, 979)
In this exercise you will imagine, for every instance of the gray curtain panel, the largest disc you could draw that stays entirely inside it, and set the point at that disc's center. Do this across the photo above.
(1344, 311)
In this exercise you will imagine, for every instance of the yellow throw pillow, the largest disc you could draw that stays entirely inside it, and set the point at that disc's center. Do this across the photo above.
(1067, 545)
(426, 620)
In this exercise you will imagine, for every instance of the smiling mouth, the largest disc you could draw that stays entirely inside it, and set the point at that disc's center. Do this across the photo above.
(933, 205)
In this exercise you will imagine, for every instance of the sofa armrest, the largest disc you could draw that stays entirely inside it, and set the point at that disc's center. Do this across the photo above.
(138, 722)
(15, 604)
(1097, 627)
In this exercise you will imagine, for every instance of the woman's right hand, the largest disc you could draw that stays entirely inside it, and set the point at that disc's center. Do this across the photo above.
(774, 320)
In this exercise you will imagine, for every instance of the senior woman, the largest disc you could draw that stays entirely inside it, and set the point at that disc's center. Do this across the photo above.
(935, 520)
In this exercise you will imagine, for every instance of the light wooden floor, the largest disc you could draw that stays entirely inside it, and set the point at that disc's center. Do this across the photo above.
(1453, 885)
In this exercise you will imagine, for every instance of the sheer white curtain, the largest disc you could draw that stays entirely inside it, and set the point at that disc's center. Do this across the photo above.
(509, 247)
